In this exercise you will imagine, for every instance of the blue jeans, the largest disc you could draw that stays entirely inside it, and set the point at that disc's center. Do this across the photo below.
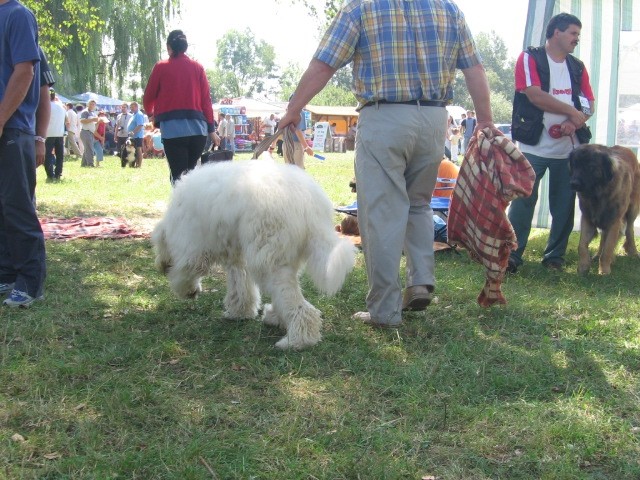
(22, 250)
(562, 202)
(97, 147)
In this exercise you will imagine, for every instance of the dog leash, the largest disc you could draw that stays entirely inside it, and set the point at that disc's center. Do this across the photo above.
(288, 145)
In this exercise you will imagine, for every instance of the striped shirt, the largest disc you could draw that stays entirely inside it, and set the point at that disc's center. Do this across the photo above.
(401, 50)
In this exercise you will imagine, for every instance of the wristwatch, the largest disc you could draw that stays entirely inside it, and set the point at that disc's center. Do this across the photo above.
(40, 139)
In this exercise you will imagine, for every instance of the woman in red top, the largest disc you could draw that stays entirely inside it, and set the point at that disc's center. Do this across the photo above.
(177, 96)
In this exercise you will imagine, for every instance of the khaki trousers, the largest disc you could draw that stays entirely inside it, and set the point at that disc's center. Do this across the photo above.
(398, 151)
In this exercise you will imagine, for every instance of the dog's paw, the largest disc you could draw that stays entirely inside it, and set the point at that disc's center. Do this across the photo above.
(269, 316)
(286, 343)
(604, 270)
(583, 269)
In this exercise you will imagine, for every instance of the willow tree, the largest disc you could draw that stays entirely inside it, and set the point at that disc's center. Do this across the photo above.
(102, 44)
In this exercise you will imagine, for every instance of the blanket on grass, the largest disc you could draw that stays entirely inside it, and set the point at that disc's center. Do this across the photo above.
(88, 228)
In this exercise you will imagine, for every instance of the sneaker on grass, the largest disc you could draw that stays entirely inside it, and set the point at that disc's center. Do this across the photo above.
(20, 299)
(5, 288)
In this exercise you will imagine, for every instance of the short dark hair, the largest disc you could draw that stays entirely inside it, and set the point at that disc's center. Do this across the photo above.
(562, 22)
(177, 40)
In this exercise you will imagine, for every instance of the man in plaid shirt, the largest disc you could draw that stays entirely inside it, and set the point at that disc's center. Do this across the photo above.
(404, 56)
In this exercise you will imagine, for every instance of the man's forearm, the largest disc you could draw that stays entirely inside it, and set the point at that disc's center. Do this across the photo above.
(313, 80)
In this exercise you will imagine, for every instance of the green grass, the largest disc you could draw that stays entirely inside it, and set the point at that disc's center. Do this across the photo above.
(112, 377)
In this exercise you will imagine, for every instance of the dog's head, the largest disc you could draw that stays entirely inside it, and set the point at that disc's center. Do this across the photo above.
(128, 150)
(590, 167)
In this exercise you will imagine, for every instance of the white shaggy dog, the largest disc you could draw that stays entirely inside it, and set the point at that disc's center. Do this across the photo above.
(261, 222)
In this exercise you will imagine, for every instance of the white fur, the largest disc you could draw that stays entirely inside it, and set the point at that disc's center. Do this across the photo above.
(260, 221)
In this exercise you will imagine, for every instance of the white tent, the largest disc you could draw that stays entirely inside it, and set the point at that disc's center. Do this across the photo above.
(103, 102)
(253, 108)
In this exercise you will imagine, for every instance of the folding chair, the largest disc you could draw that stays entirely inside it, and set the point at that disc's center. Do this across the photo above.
(441, 206)
(349, 209)
(445, 184)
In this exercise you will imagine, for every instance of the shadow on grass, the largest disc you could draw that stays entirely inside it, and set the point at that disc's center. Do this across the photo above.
(117, 376)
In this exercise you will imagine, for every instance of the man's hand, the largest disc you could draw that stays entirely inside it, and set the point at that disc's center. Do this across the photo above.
(481, 125)
(578, 118)
(290, 119)
(567, 128)
(40, 151)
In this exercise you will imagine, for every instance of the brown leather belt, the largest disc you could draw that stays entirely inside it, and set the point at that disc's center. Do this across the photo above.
(422, 103)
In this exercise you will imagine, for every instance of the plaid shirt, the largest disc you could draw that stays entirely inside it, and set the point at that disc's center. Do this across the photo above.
(401, 50)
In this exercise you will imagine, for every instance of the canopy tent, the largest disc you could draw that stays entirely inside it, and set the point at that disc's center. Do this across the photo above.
(253, 108)
(343, 117)
(608, 47)
(103, 102)
(64, 99)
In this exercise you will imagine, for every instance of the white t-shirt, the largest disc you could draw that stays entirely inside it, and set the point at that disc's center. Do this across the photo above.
(269, 126)
(559, 88)
(72, 116)
(222, 128)
(56, 120)
(122, 122)
(231, 128)
(86, 114)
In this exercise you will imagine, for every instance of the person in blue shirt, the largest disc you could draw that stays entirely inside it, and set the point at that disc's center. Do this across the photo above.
(136, 131)
(22, 249)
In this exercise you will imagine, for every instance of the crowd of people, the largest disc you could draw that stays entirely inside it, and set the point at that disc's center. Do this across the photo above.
(89, 133)
(402, 131)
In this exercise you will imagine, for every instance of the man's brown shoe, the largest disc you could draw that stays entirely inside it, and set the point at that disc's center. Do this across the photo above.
(417, 297)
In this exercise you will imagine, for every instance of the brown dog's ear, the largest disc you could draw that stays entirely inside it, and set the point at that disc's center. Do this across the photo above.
(607, 167)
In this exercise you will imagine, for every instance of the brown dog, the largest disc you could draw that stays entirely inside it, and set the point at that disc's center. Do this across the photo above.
(607, 181)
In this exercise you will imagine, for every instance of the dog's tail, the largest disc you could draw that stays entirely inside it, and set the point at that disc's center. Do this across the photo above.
(331, 258)
(159, 241)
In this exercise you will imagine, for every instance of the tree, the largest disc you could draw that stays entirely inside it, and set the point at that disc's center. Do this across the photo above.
(245, 65)
(330, 8)
(499, 70)
(102, 44)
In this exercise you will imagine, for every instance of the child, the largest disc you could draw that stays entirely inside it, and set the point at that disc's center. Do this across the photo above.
(454, 138)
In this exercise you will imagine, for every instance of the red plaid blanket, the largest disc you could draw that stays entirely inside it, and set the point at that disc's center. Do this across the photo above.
(91, 227)
(493, 173)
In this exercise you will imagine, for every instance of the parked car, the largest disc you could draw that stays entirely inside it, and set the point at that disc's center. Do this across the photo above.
(505, 128)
